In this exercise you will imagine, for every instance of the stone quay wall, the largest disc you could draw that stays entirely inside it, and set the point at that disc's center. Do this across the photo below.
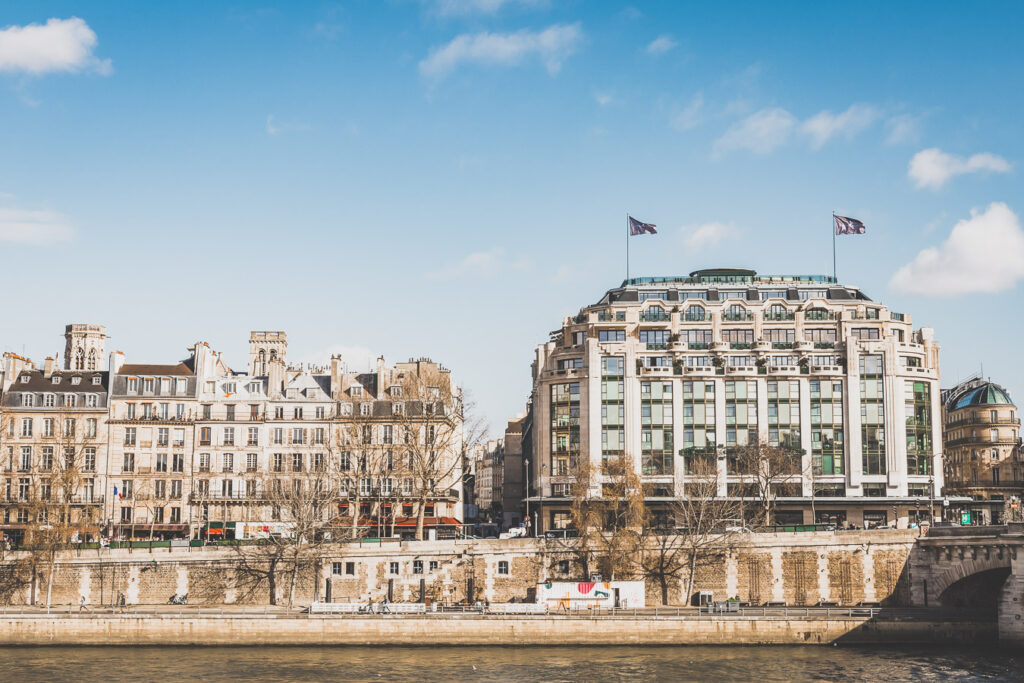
(263, 631)
(844, 568)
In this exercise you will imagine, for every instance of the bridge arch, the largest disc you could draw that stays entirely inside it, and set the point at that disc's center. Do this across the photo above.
(943, 578)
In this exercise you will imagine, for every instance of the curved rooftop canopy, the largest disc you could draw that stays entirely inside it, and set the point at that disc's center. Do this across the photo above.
(988, 394)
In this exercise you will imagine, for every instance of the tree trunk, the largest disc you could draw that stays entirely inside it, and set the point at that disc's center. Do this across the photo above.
(689, 581)
(272, 582)
(419, 518)
(49, 577)
(664, 588)
(35, 582)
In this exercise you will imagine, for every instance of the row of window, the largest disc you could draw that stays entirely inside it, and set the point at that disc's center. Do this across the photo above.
(91, 400)
(73, 457)
(394, 568)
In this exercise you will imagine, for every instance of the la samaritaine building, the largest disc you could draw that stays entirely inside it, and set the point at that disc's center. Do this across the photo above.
(196, 448)
(663, 368)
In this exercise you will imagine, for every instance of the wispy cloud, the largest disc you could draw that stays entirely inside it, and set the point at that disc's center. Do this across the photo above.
(825, 125)
(983, 254)
(690, 116)
(760, 133)
(660, 45)
(697, 237)
(274, 127)
(480, 264)
(58, 45)
(464, 7)
(551, 46)
(903, 129)
(353, 358)
(933, 168)
(603, 98)
(34, 227)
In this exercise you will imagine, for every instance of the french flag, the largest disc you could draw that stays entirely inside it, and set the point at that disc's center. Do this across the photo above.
(117, 494)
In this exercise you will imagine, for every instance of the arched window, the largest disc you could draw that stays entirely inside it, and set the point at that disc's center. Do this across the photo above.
(778, 312)
(695, 313)
(80, 359)
(92, 360)
(735, 312)
(273, 354)
(655, 313)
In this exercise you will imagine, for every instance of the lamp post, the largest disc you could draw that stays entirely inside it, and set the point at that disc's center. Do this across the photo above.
(931, 499)
(526, 465)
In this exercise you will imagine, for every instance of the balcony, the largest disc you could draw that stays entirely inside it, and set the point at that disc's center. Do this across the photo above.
(824, 345)
(656, 347)
(740, 345)
(975, 420)
(650, 317)
(783, 345)
(698, 346)
(695, 317)
(737, 317)
(779, 317)
(234, 497)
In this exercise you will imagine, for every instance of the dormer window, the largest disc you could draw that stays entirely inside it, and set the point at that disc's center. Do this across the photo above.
(229, 388)
(133, 385)
(356, 391)
(364, 409)
(398, 408)
(396, 391)
(28, 400)
(96, 381)
(49, 400)
(346, 409)
(148, 385)
(24, 379)
(254, 387)
(76, 380)
(55, 379)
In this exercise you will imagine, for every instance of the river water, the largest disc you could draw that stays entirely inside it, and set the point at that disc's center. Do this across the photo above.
(522, 665)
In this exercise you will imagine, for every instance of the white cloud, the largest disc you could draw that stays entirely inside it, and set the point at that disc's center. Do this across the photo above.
(480, 264)
(825, 125)
(33, 227)
(551, 46)
(984, 254)
(660, 45)
(463, 7)
(903, 128)
(57, 45)
(276, 128)
(932, 167)
(603, 98)
(698, 237)
(761, 132)
(691, 116)
(353, 358)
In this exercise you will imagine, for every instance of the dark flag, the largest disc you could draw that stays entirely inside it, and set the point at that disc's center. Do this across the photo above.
(638, 228)
(848, 226)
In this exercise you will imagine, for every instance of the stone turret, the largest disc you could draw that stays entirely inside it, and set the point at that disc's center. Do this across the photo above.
(84, 346)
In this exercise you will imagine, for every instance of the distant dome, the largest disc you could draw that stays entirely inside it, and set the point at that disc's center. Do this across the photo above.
(987, 394)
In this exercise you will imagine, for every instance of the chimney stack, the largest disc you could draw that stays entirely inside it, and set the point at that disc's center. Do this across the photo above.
(48, 367)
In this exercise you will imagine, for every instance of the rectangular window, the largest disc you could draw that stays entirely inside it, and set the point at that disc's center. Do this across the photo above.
(417, 566)
(393, 568)
(128, 462)
(229, 436)
(917, 403)
(251, 461)
(611, 335)
(178, 462)
(253, 436)
(228, 462)
(205, 436)
(872, 414)
(161, 462)
(502, 567)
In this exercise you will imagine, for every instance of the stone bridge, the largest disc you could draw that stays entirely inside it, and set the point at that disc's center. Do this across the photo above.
(972, 567)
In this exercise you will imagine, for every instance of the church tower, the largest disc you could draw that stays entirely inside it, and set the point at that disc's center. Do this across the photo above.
(266, 346)
(85, 347)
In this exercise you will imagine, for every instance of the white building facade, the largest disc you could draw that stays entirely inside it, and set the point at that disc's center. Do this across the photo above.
(664, 369)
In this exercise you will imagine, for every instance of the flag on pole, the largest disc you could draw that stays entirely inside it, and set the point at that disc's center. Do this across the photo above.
(848, 226)
(116, 493)
(638, 228)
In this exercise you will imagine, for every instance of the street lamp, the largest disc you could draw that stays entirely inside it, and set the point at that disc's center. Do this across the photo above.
(526, 465)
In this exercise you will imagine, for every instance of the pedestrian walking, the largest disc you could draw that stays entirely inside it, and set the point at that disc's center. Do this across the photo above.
(81, 604)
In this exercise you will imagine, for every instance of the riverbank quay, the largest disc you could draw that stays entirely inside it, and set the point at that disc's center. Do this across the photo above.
(663, 626)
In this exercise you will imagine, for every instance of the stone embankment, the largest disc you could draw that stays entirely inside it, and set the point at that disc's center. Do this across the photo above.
(248, 630)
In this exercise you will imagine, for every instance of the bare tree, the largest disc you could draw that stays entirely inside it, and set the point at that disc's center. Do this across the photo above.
(305, 504)
(58, 508)
(764, 469)
(609, 513)
(702, 515)
(360, 461)
(439, 426)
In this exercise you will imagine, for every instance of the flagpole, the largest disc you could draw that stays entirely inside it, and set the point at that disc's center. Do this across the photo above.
(834, 278)
(627, 246)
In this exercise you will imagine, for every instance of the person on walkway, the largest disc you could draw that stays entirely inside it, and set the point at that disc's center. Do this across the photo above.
(81, 604)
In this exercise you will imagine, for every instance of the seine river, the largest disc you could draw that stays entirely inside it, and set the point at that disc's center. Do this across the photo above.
(522, 665)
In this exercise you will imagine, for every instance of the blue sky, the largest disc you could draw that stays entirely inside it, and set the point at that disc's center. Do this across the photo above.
(450, 177)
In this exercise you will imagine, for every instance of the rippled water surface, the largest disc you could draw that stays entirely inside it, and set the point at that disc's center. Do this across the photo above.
(522, 665)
